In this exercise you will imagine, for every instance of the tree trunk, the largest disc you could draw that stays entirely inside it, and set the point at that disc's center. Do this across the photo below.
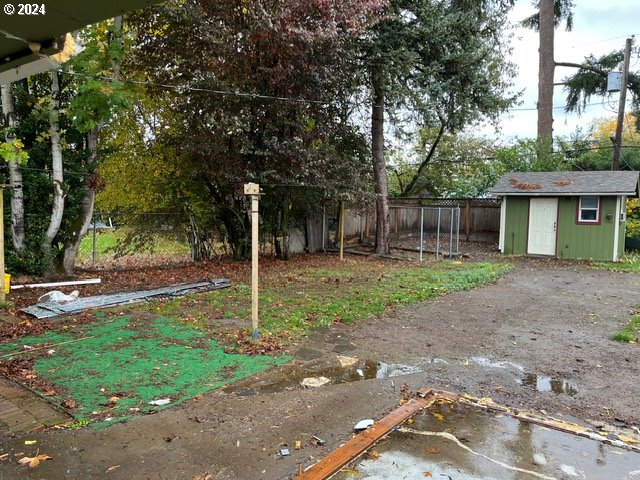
(83, 220)
(15, 178)
(545, 74)
(57, 208)
(379, 167)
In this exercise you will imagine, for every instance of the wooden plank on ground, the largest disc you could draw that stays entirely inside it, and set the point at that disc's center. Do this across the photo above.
(337, 459)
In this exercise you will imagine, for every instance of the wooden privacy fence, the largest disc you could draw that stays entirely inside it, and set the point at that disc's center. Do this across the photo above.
(479, 218)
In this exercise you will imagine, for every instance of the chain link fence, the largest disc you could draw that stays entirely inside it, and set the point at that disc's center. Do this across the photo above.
(426, 230)
(418, 228)
(440, 227)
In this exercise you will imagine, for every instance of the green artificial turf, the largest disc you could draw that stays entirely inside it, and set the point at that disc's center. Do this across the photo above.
(112, 369)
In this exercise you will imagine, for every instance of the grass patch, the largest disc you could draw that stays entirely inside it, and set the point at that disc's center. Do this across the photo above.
(630, 333)
(629, 262)
(296, 301)
(107, 240)
(110, 370)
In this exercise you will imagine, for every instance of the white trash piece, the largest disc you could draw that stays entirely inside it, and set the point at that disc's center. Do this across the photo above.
(363, 424)
(56, 296)
(314, 382)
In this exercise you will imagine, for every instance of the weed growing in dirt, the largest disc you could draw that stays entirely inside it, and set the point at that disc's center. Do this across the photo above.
(629, 262)
(630, 333)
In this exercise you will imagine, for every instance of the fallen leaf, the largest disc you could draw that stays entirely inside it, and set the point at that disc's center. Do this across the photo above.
(111, 468)
(433, 450)
(33, 462)
(50, 392)
(438, 416)
(70, 403)
(371, 455)
(30, 442)
(427, 474)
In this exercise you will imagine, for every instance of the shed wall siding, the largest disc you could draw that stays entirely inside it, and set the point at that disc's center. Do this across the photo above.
(586, 241)
(623, 227)
(516, 222)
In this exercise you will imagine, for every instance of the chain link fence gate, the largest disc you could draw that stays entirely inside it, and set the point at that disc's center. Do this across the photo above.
(426, 230)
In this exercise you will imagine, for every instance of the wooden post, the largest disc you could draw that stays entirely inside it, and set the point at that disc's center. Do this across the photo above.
(3, 297)
(253, 190)
(467, 219)
(341, 230)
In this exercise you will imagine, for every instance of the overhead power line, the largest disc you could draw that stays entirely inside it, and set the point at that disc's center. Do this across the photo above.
(258, 96)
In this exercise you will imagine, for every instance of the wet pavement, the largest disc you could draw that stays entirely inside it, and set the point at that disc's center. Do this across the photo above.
(24, 411)
(344, 369)
(457, 442)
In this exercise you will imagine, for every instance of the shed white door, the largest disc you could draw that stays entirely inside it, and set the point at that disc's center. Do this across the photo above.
(543, 219)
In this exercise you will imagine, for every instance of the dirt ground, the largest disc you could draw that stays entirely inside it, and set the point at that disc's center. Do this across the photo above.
(537, 339)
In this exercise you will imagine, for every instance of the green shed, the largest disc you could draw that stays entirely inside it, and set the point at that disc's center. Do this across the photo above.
(576, 215)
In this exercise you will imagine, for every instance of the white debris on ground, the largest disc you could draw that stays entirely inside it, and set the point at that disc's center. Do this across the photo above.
(56, 296)
(314, 382)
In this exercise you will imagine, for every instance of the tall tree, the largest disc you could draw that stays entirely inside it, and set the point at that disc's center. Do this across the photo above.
(441, 64)
(546, 69)
(15, 172)
(379, 163)
(595, 153)
(548, 17)
(57, 177)
(94, 103)
(263, 90)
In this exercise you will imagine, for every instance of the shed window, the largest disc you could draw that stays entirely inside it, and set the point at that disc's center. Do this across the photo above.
(588, 210)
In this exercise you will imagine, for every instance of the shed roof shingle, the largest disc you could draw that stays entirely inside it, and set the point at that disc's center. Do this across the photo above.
(567, 183)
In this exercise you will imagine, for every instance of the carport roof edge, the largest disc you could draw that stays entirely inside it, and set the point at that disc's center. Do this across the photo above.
(59, 18)
(533, 184)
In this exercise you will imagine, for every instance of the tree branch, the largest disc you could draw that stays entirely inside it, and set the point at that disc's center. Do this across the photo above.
(426, 160)
(582, 66)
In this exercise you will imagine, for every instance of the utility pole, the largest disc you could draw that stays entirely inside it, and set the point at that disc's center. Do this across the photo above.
(615, 164)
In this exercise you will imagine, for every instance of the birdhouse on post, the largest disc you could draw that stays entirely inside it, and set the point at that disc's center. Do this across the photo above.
(251, 189)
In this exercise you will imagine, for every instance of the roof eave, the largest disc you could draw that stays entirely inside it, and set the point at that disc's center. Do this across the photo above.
(563, 194)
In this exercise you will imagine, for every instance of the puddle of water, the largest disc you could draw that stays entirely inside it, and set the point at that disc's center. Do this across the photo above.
(290, 376)
(540, 382)
(464, 444)
(388, 370)
(549, 384)
(487, 363)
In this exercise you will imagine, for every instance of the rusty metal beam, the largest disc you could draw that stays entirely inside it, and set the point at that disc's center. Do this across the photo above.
(356, 446)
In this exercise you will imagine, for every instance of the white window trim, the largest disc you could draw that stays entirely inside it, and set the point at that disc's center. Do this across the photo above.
(580, 209)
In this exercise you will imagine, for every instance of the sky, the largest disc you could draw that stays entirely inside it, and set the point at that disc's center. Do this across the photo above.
(599, 27)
